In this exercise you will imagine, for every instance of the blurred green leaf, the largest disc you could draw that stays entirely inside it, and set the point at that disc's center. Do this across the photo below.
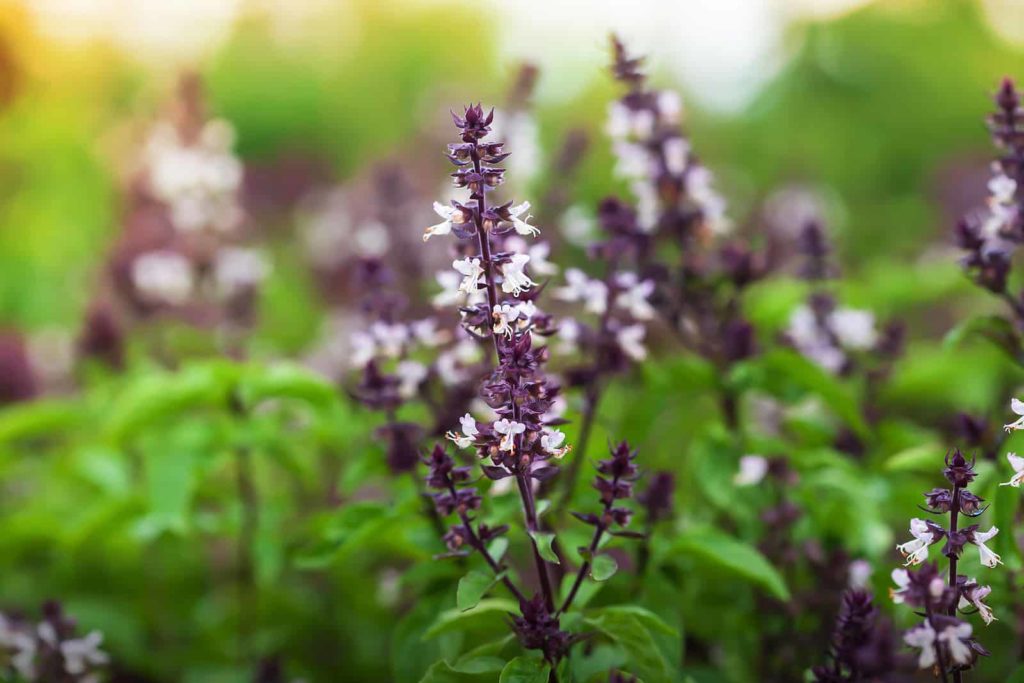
(725, 552)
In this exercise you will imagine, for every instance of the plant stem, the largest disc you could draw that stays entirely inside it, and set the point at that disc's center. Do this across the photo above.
(584, 568)
(531, 525)
(245, 566)
(479, 545)
(954, 512)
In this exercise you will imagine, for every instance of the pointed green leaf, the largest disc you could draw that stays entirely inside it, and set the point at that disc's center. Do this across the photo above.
(525, 670)
(603, 568)
(725, 552)
(472, 588)
(543, 540)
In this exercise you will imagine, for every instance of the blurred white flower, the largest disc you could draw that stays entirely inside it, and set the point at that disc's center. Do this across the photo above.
(410, 375)
(1017, 406)
(630, 340)
(855, 329)
(1017, 463)
(753, 469)
(238, 269)
(163, 276)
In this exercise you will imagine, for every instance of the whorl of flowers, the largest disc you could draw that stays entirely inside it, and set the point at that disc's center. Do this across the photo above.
(518, 443)
(674, 191)
(834, 337)
(184, 244)
(991, 236)
(946, 642)
(50, 651)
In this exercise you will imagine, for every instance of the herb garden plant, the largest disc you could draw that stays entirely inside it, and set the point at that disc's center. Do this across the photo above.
(636, 437)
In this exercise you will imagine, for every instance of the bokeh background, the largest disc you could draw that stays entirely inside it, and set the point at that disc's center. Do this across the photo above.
(867, 113)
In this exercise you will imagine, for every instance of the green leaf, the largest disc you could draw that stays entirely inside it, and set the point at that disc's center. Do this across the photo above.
(458, 620)
(285, 380)
(923, 457)
(38, 419)
(525, 670)
(629, 632)
(158, 396)
(651, 621)
(498, 548)
(996, 329)
(483, 659)
(472, 588)
(603, 567)
(443, 672)
(543, 541)
(725, 552)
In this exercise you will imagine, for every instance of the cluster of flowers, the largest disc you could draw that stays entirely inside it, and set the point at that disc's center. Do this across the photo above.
(519, 440)
(50, 651)
(183, 247)
(830, 335)
(673, 189)
(991, 236)
(945, 641)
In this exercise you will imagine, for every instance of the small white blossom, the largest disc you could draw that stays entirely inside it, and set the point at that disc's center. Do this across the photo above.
(508, 429)
(630, 340)
(520, 225)
(552, 443)
(450, 215)
(364, 348)
(670, 107)
(855, 329)
(859, 573)
(539, 262)
(901, 577)
(390, 337)
(954, 636)
(471, 273)
(425, 332)
(515, 280)
(238, 269)
(648, 205)
(676, 152)
(923, 637)
(579, 287)
(987, 557)
(469, 432)
(410, 375)
(752, 470)
(568, 336)
(634, 296)
(504, 316)
(577, 225)
(1002, 188)
(976, 596)
(1017, 406)
(164, 276)
(81, 653)
(450, 294)
(916, 551)
(371, 239)
(1017, 463)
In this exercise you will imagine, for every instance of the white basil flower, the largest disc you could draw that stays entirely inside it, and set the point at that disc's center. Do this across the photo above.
(164, 276)
(670, 107)
(237, 269)
(753, 469)
(425, 332)
(923, 637)
(630, 340)
(916, 551)
(1017, 406)
(987, 557)
(450, 295)
(471, 273)
(515, 280)
(552, 442)
(81, 653)
(901, 577)
(469, 432)
(410, 375)
(634, 297)
(1017, 463)
(955, 637)
(539, 262)
(976, 596)
(508, 429)
(450, 215)
(520, 225)
(364, 348)
(1002, 188)
(855, 329)
(579, 287)
(504, 316)
(391, 337)
(676, 152)
(568, 336)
